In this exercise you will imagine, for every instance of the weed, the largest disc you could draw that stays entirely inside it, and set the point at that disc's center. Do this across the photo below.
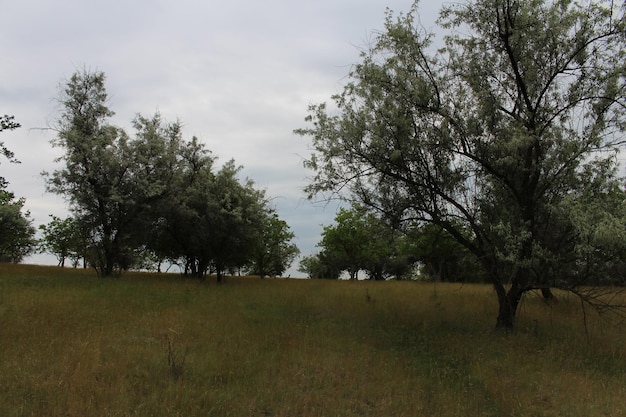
(176, 358)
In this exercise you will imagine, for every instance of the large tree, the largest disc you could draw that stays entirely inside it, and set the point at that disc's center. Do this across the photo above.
(110, 181)
(493, 137)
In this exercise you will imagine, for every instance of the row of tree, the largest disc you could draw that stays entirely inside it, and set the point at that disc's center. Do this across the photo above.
(361, 241)
(138, 202)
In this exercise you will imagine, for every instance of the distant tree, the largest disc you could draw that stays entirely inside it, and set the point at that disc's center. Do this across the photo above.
(383, 258)
(488, 137)
(213, 220)
(319, 266)
(180, 231)
(273, 251)
(142, 200)
(63, 238)
(441, 256)
(347, 241)
(361, 241)
(17, 235)
(597, 215)
(237, 221)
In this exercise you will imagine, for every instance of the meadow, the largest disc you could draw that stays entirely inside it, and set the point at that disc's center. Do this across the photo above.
(72, 344)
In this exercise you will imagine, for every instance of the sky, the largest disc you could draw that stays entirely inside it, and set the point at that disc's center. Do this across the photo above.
(238, 74)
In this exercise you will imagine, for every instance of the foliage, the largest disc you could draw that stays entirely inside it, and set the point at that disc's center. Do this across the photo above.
(361, 241)
(348, 241)
(489, 138)
(7, 123)
(96, 170)
(17, 235)
(152, 198)
(237, 218)
(273, 251)
(212, 220)
(318, 266)
(64, 238)
(442, 257)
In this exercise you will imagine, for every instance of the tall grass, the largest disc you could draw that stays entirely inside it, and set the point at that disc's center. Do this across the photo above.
(158, 345)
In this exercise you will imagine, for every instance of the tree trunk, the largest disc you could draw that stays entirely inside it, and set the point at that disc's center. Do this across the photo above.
(508, 301)
(221, 277)
(547, 294)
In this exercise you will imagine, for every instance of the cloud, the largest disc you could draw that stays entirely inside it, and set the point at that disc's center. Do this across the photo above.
(239, 75)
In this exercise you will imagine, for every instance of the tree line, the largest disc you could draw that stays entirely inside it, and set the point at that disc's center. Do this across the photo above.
(153, 198)
(359, 241)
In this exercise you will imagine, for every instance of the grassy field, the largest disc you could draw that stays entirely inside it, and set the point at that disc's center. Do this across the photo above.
(147, 345)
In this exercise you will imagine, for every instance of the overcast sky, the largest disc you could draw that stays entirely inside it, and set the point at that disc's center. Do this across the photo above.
(238, 74)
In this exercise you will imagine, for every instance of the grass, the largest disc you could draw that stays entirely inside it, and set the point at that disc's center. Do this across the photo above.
(148, 345)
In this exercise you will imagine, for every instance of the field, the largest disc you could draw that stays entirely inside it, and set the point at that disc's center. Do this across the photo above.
(160, 345)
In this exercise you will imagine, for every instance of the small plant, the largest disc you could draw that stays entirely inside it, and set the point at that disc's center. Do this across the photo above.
(175, 358)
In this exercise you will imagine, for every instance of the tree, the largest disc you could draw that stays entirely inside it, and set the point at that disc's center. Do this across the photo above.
(111, 181)
(17, 235)
(273, 251)
(384, 257)
(489, 138)
(442, 257)
(347, 241)
(318, 266)
(359, 241)
(213, 220)
(238, 211)
(63, 238)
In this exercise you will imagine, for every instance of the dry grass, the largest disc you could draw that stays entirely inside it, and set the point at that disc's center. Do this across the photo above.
(146, 345)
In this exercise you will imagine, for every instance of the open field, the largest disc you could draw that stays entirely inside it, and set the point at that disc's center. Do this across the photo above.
(146, 345)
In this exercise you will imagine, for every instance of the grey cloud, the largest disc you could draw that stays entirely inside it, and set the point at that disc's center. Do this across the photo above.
(239, 75)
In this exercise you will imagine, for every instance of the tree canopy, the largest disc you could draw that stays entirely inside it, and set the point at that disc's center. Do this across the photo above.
(63, 238)
(498, 137)
(17, 235)
(273, 250)
(153, 193)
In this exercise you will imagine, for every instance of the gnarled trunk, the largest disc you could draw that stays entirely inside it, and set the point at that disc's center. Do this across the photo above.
(508, 301)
